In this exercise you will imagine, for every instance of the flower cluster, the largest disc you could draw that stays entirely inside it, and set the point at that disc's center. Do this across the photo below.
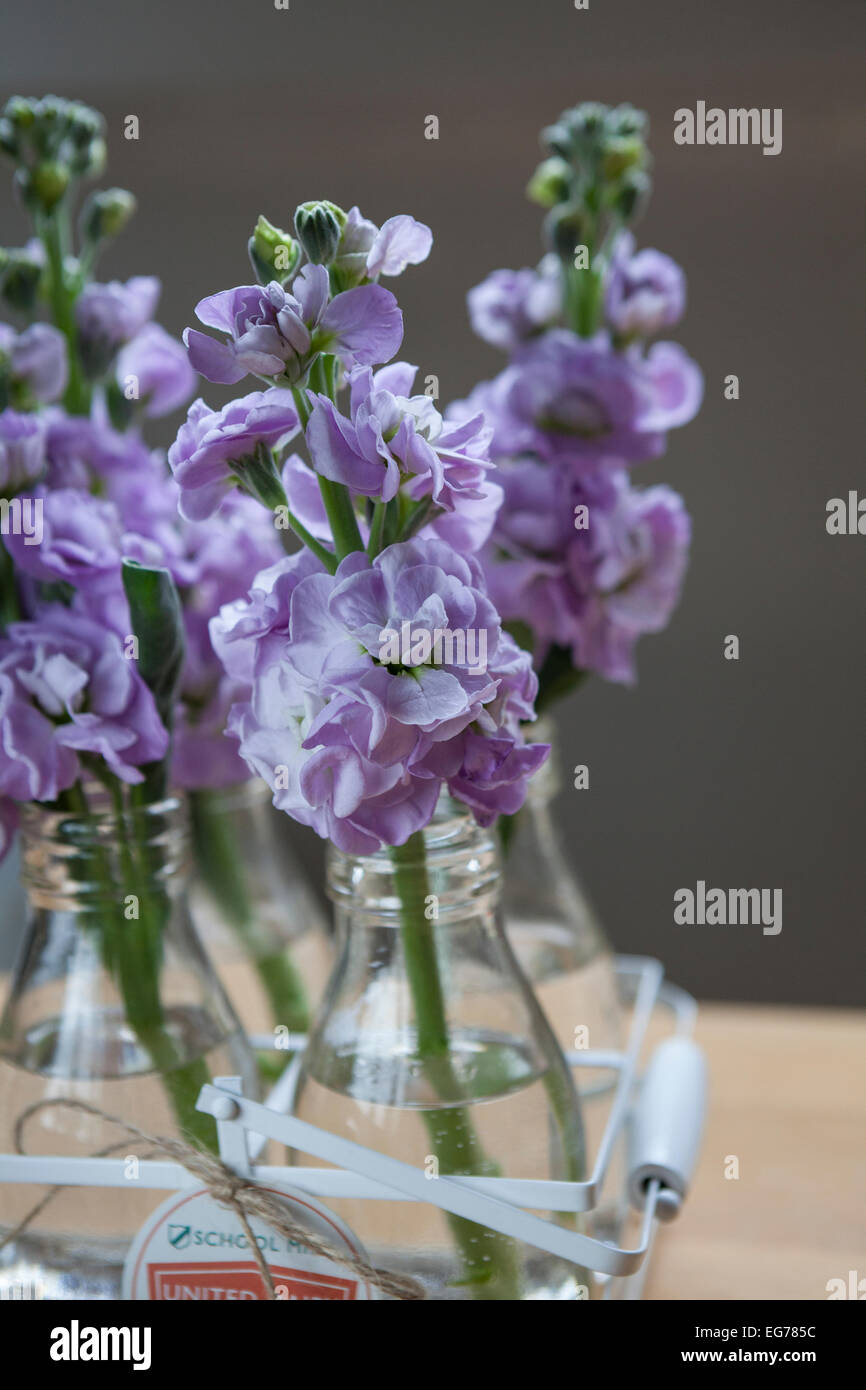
(587, 564)
(359, 747)
(75, 466)
(356, 732)
(581, 563)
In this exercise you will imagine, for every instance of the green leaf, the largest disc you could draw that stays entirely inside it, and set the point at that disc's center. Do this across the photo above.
(157, 623)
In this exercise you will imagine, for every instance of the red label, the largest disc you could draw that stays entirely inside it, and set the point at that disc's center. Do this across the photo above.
(241, 1280)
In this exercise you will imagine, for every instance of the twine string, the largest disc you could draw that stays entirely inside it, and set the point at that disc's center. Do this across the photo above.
(241, 1195)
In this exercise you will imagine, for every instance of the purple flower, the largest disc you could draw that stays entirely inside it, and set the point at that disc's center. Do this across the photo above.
(202, 756)
(466, 528)
(393, 438)
(241, 627)
(587, 564)
(22, 450)
(304, 497)
(275, 332)
(160, 370)
(212, 443)
(37, 359)
(110, 315)
(575, 400)
(221, 559)
(633, 576)
(366, 251)
(399, 242)
(66, 689)
(82, 452)
(357, 716)
(81, 541)
(645, 292)
(513, 305)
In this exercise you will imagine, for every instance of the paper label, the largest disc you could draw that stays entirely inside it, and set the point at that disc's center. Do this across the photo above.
(191, 1249)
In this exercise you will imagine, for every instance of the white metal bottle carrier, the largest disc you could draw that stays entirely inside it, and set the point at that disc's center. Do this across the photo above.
(656, 1108)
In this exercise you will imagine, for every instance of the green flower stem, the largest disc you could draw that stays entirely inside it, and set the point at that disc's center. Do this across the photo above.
(258, 474)
(377, 529)
(52, 232)
(583, 296)
(302, 404)
(341, 517)
(327, 557)
(10, 608)
(490, 1263)
(132, 952)
(223, 874)
(335, 496)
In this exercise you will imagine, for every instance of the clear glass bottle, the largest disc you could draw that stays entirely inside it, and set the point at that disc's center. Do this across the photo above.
(113, 1002)
(563, 951)
(553, 930)
(256, 912)
(431, 1047)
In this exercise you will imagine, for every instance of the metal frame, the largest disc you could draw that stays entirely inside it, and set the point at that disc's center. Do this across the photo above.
(660, 1161)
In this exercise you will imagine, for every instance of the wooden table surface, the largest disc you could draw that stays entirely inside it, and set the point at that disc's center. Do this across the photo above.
(788, 1101)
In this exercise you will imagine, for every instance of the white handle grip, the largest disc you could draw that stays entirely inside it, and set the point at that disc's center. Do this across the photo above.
(668, 1123)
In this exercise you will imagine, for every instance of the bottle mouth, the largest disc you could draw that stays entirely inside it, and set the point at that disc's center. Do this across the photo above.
(99, 854)
(460, 861)
(237, 796)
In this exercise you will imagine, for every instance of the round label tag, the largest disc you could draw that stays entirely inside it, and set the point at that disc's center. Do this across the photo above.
(191, 1249)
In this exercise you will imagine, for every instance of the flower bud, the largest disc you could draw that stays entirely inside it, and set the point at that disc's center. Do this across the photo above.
(318, 226)
(621, 153)
(105, 214)
(274, 254)
(89, 160)
(627, 121)
(631, 198)
(44, 186)
(549, 184)
(20, 111)
(20, 274)
(9, 141)
(565, 228)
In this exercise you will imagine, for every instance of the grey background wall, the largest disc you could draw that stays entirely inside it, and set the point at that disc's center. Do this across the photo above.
(745, 773)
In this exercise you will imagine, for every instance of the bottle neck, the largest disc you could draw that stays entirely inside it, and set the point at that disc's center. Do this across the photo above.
(238, 798)
(97, 856)
(450, 874)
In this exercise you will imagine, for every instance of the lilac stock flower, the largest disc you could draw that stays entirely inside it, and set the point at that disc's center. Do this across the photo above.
(398, 243)
(354, 737)
(274, 332)
(66, 689)
(634, 575)
(574, 400)
(37, 359)
(466, 528)
(80, 545)
(513, 305)
(221, 559)
(367, 251)
(110, 315)
(393, 438)
(22, 450)
(83, 451)
(160, 369)
(211, 443)
(240, 628)
(645, 292)
(592, 588)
